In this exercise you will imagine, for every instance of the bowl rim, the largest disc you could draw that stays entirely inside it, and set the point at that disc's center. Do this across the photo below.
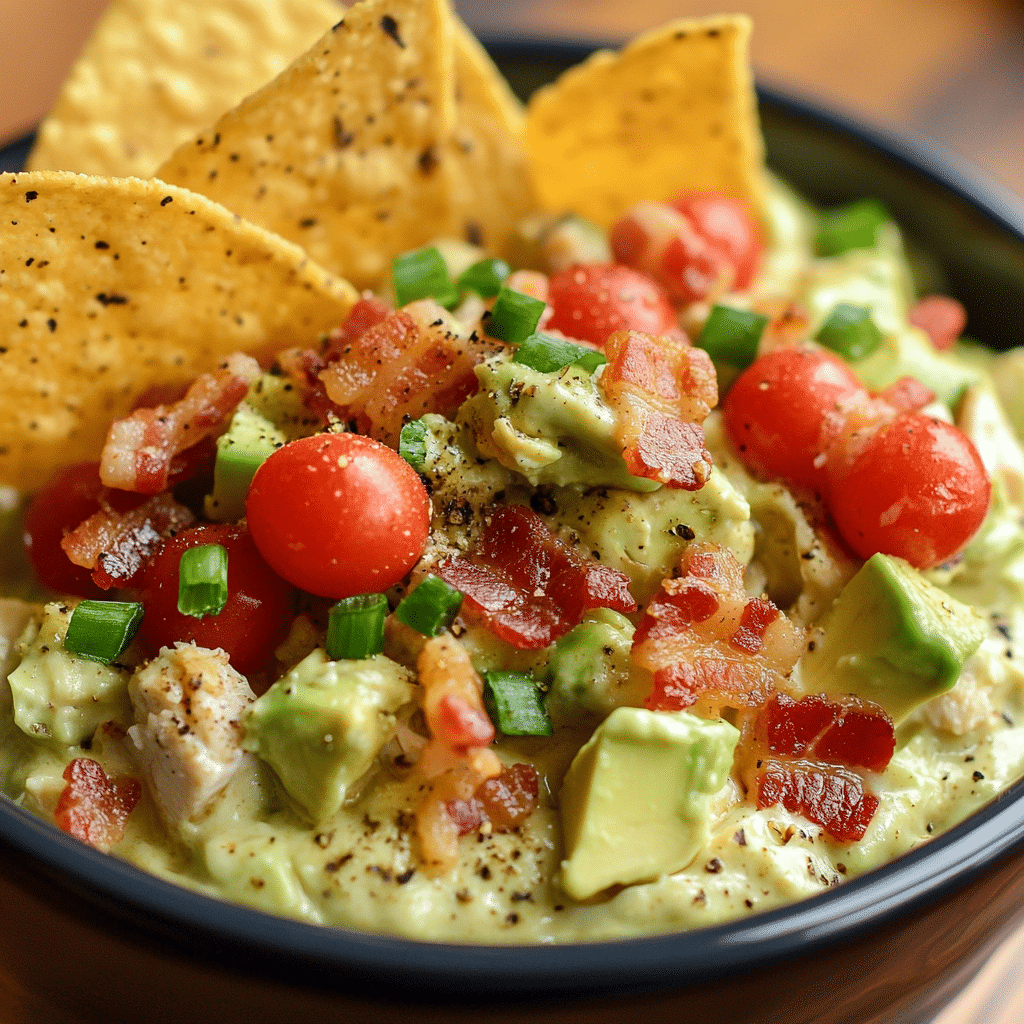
(333, 958)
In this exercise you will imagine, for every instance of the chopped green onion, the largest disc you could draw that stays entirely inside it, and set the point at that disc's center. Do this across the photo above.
(485, 277)
(431, 608)
(412, 444)
(731, 336)
(102, 630)
(854, 226)
(514, 703)
(514, 316)
(203, 580)
(423, 274)
(548, 354)
(355, 627)
(850, 332)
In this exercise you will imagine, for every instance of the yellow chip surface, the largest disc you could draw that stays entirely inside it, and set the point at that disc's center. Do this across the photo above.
(156, 72)
(110, 286)
(674, 111)
(345, 152)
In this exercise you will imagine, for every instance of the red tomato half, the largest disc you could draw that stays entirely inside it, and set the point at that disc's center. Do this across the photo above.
(918, 490)
(593, 301)
(776, 411)
(729, 229)
(339, 514)
(251, 624)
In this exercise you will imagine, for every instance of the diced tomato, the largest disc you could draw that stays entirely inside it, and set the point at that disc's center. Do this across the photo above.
(593, 301)
(254, 619)
(943, 319)
(529, 587)
(728, 227)
(94, 807)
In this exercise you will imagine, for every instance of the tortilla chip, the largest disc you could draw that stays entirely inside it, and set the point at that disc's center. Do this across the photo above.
(156, 72)
(494, 191)
(674, 111)
(110, 286)
(345, 152)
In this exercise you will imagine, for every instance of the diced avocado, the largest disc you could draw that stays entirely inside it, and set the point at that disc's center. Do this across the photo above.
(240, 452)
(636, 800)
(893, 638)
(59, 696)
(276, 398)
(553, 428)
(321, 725)
(554, 242)
(590, 671)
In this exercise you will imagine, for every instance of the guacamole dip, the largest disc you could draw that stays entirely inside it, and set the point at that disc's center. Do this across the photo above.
(606, 671)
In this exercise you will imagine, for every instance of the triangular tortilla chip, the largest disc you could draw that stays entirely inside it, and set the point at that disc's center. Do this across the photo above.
(156, 72)
(110, 286)
(674, 111)
(495, 190)
(346, 151)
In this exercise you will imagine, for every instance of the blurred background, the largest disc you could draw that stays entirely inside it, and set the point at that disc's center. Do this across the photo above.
(949, 70)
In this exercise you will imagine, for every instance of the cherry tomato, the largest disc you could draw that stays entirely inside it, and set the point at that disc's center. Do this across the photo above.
(252, 622)
(943, 319)
(339, 514)
(66, 500)
(729, 229)
(593, 301)
(917, 489)
(777, 412)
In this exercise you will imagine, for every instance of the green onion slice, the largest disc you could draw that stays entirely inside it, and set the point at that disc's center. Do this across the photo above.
(355, 627)
(102, 630)
(485, 277)
(548, 354)
(514, 316)
(203, 580)
(515, 705)
(854, 226)
(731, 336)
(412, 444)
(431, 608)
(850, 332)
(423, 274)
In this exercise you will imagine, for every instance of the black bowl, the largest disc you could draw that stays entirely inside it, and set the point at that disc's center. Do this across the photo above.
(85, 937)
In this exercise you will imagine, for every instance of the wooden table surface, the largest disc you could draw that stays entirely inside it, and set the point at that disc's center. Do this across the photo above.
(951, 71)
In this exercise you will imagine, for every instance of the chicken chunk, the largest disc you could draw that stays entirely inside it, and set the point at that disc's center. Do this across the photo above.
(186, 739)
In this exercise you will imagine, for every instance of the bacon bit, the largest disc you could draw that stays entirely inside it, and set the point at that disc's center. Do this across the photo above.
(788, 323)
(456, 759)
(833, 798)
(115, 544)
(94, 807)
(661, 390)
(510, 798)
(942, 318)
(528, 586)
(140, 448)
(366, 313)
(706, 642)
(529, 282)
(907, 394)
(412, 362)
(303, 366)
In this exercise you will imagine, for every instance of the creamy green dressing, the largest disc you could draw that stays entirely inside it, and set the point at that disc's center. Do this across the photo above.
(357, 867)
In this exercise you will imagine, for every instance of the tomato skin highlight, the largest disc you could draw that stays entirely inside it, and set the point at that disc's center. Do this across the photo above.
(777, 412)
(593, 301)
(253, 621)
(338, 515)
(917, 489)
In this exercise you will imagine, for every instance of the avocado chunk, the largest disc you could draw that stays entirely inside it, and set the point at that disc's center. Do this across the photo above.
(321, 725)
(250, 439)
(636, 801)
(893, 638)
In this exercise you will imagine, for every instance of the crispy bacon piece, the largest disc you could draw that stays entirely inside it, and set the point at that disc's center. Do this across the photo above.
(366, 313)
(528, 586)
(141, 447)
(834, 798)
(705, 641)
(303, 366)
(506, 801)
(412, 362)
(94, 807)
(116, 541)
(661, 390)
